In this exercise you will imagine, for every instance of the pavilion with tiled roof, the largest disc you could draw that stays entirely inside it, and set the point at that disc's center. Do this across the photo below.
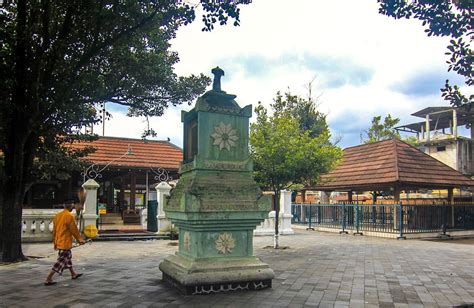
(131, 166)
(140, 153)
(390, 165)
(127, 170)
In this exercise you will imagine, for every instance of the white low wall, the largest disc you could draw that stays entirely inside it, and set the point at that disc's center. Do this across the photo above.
(267, 227)
(37, 225)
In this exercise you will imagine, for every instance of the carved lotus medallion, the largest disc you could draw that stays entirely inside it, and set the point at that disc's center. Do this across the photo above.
(224, 136)
(225, 243)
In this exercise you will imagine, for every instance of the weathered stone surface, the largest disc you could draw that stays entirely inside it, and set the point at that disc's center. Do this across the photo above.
(216, 204)
(364, 271)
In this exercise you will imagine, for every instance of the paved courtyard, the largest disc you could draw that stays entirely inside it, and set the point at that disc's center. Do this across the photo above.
(318, 269)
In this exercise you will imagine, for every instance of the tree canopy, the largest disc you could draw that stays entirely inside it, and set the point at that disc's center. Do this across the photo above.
(288, 149)
(382, 131)
(303, 110)
(452, 18)
(60, 60)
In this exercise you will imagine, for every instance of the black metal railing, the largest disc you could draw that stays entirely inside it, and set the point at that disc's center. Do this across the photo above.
(386, 218)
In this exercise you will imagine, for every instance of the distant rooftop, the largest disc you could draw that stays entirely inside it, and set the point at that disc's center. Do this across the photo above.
(149, 153)
(423, 112)
(440, 118)
(390, 163)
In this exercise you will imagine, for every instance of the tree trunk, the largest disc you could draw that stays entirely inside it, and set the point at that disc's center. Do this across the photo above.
(11, 230)
(276, 206)
(13, 190)
(13, 187)
(1, 209)
(18, 161)
(16, 132)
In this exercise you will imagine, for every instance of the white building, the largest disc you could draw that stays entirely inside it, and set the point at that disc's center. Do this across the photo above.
(438, 136)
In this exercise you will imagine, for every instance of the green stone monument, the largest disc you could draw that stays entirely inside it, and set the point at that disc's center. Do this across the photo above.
(216, 204)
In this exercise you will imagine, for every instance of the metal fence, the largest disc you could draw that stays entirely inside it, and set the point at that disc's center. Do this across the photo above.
(385, 218)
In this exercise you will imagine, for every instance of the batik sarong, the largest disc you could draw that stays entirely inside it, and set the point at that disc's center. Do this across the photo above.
(64, 261)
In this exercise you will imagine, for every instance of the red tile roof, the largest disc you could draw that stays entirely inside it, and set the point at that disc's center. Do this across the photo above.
(388, 163)
(149, 153)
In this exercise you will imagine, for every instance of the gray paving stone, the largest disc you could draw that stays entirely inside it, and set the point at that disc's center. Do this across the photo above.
(319, 269)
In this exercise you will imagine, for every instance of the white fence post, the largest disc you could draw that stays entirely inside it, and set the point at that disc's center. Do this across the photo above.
(162, 191)
(267, 227)
(285, 215)
(90, 205)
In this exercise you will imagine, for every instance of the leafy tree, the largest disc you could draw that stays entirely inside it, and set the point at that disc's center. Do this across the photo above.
(303, 110)
(382, 131)
(451, 18)
(412, 140)
(61, 59)
(286, 154)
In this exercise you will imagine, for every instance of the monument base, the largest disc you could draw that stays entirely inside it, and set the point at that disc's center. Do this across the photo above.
(196, 277)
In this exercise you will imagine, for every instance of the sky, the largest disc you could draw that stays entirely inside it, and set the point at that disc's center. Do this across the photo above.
(361, 64)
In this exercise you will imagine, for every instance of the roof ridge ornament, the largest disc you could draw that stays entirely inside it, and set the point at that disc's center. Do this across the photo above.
(218, 73)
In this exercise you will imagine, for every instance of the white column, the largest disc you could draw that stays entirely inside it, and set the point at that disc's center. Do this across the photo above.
(285, 212)
(285, 202)
(90, 205)
(455, 124)
(162, 191)
(427, 123)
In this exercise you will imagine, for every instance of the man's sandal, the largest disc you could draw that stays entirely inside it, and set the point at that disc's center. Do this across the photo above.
(77, 276)
(49, 283)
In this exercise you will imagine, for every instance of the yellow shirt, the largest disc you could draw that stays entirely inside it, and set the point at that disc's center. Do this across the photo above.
(64, 228)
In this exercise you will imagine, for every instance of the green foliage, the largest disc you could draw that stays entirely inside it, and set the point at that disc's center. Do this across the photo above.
(60, 61)
(382, 131)
(412, 140)
(290, 148)
(304, 111)
(286, 154)
(453, 19)
(58, 161)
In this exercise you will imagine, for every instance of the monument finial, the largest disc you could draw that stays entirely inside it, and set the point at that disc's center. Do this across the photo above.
(218, 73)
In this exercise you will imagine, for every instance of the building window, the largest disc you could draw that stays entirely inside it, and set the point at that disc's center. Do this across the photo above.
(441, 148)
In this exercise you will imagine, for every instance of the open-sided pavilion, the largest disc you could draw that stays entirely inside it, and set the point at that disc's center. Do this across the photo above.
(390, 166)
(126, 169)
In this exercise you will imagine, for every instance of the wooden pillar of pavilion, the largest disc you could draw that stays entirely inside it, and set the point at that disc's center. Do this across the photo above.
(450, 196)
(133, 188)
(110, 196)
(122, 194)
(451, 202)
(396, 194)
(396, 200)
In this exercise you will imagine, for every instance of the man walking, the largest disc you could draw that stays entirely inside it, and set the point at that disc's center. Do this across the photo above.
(64, 230)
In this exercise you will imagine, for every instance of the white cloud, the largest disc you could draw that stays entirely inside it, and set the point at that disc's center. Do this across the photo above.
(166, 126)
(286, 39)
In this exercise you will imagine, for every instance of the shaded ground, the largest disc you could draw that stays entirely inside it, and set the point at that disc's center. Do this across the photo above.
(319, 269)
(464, 241)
